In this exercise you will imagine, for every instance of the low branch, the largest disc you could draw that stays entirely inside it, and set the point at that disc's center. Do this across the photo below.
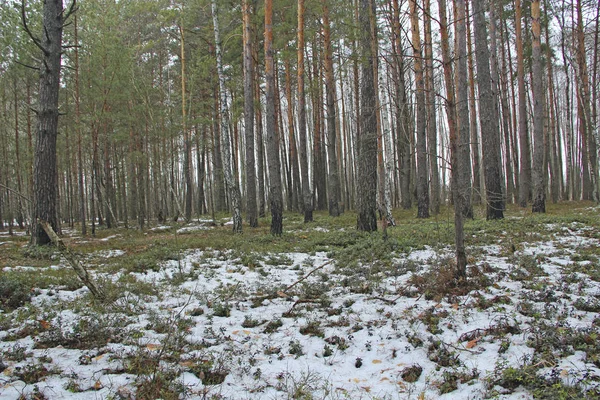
(73, 261)
(35, 39)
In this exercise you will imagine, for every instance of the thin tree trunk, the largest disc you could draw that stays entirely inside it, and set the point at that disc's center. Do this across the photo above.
(422, 167)
(306, 193)
(457, 161)
(251, 206)
(187, 143)
(333, 174)
(463, 121)
(294, 189)
(431, 112)
(82, 200)
(231, 182)
(474, 140)
(275, 193)
(525, 162)
(538, 172)
(403, 118)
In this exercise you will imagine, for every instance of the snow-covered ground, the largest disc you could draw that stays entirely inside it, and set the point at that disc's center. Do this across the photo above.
(298, 325)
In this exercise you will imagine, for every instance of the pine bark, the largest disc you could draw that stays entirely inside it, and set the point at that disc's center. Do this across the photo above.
(275, 192)
(431, 112)
(367, 157)
(457, 161)
(403, 118)
(250, 170)
(333, 174)
(524, 143)
(45, 169)
(306, 193)
(462, 117)
(488, 117)
(422, 167)
(538, 172)
(230, 181)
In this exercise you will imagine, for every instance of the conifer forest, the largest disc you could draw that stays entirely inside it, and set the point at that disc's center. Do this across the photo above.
(308, 199)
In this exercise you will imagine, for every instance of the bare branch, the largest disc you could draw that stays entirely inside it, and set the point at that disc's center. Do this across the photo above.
(27, 66)
(35, 39)
(15, 192)
(72, 9)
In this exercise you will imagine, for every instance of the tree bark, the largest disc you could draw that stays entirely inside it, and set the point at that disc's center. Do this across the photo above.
(306, 193)
(462, 117)
(230, 181)
(458, 162)
(333, 174)
(367, 158)
(431, 112)
(251, 206)
(275, 193)
(524, 143)
(45, 169)
(538, 172)
(403, 117)
(488, 117)
(422, 167)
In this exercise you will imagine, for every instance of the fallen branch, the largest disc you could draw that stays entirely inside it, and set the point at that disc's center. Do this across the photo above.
(73, 261)
(283, 293)
(306, 276)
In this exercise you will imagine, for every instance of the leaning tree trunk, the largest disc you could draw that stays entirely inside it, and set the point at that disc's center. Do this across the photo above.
(367, 157)
(538, 175)
(275, 195)
(230, 180)
(488, 116)
(45, 183)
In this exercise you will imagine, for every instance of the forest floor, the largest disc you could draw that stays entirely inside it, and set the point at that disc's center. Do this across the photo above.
(324, 312)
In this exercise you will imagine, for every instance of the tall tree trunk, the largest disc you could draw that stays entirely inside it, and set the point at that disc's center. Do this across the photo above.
(510, 156)
(231, 182)
(494, 66)
(80, 171)
(538, 172)
(463, 122)
(306, 194)
(431, 112)
(422, 167)
(275, 193)
(524, 144)
(187, 142)
(251, 206)
(294, 189)
(367, 158)
(458, 161)
(473, 129)
(333, 174)
(45, 171)
(219, 182)
(488, 117)
(587, 128)
(260, 147)
(403, 117)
